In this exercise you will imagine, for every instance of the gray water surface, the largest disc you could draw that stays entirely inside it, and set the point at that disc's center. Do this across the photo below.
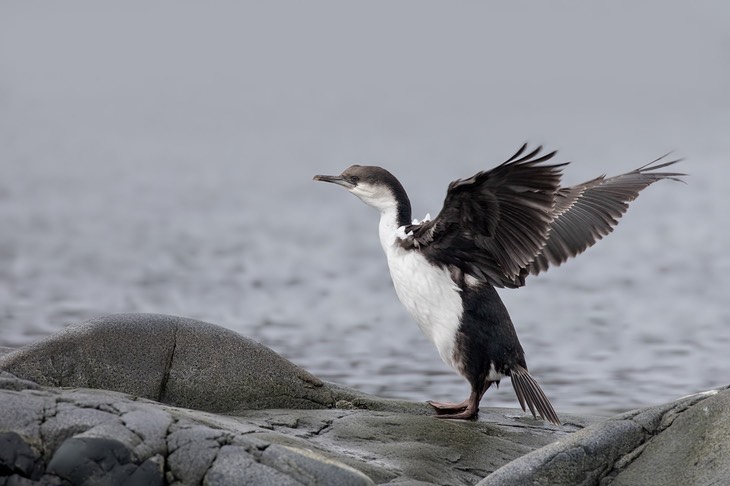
(158, 158)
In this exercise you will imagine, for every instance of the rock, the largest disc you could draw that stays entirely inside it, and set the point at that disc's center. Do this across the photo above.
(169, 359)
(17, 457)
(148, 399)
(308, 467)
(83, 397)
(77, 436)
(84, 460)
(683, 442)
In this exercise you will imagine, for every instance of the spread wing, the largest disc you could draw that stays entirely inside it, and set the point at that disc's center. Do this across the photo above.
(587, 212)
(494, 223)
(501, 225)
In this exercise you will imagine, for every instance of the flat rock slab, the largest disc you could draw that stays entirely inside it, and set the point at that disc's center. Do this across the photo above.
(79, 436)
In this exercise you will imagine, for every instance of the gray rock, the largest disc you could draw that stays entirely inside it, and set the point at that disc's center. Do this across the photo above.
(79, 435)
(99, 460)
(689, 446)
(683, 442)
(170, 359)
(308, 467)
(282, 426)
(234, 465)
(17, 457)
(8, 381)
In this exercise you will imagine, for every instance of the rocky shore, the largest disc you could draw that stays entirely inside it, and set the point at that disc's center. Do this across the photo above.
(153, 399)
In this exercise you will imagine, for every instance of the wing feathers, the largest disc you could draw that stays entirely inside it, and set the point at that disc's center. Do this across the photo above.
(587, 212)
(503, 224)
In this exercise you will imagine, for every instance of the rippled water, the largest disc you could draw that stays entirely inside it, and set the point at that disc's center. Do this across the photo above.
(170, 171)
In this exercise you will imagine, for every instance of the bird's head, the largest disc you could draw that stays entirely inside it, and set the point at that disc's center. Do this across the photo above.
(374, 185)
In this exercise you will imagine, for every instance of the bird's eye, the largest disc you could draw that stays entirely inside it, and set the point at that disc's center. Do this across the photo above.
(354, 179)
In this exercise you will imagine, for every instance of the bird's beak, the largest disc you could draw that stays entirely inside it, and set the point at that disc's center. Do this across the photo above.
(339, 180)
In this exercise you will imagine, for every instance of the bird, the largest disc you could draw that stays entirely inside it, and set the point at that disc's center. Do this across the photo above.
(495, 229)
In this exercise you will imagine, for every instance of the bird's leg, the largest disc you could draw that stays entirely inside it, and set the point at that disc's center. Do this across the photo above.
(448, 407)
(468, 409)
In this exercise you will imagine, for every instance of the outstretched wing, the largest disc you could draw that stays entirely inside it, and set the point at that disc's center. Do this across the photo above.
(493, 224)
(587, 212)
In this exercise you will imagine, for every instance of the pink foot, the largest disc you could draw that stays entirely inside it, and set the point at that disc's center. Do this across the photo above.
(469, 412)
(448, 407)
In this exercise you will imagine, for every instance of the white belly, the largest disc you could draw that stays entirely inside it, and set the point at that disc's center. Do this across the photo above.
(430, 296)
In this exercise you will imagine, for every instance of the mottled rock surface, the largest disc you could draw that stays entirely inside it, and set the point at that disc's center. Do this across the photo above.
(682, 442)
(150, 399)
(77, 436)
(172, 360)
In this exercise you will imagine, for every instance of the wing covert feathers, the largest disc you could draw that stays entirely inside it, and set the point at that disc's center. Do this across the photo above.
(494, 223)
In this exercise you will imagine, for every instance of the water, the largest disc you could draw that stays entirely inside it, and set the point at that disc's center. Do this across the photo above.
(159, 159)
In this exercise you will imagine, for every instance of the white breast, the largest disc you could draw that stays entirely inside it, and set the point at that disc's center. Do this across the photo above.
(427, 292)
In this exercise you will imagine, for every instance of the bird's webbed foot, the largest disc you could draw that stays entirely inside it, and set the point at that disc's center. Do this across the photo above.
(465, 410)
(448, 407)
(469, 412)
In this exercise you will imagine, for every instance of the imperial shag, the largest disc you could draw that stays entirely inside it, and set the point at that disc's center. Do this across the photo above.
(495, 228)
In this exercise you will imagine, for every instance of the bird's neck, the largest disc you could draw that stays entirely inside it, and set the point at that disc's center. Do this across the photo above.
(392, 217)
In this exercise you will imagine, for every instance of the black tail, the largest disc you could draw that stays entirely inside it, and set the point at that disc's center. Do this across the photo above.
(529, 392)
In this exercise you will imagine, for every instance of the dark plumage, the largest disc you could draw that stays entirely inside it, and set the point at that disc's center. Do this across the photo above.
(503, 224)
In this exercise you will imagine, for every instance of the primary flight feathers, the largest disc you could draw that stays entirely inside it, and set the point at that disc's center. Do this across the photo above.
(514, 220)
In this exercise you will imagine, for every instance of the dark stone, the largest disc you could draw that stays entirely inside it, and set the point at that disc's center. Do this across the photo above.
(98, 460)
(18, 457)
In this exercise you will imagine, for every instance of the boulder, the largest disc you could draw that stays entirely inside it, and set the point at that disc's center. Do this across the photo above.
(682, 442)
(169, 359)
